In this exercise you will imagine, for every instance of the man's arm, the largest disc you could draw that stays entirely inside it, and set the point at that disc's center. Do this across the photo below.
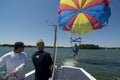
(2, 61)
(23, 59)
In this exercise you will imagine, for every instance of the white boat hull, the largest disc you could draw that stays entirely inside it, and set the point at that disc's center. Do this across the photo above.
(66, 73)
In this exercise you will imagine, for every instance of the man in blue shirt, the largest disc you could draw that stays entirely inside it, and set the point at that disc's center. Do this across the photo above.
(42, 62)
(75, 50)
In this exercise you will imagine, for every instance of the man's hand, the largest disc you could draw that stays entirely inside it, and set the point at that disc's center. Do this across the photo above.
(13, 73)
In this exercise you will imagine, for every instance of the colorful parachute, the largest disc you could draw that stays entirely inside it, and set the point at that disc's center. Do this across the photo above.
(83, 16)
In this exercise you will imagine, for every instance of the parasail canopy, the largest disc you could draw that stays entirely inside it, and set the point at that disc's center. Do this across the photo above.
(83, 16)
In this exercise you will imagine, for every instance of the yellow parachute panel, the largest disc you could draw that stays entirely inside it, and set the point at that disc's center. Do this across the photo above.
(86, 3)
(68, 2)
(81, 25)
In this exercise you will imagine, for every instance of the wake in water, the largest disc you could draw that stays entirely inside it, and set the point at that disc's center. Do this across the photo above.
(69, 62)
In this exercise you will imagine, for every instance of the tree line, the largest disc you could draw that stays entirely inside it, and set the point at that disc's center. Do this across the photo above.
(88, 46)
(81, 46)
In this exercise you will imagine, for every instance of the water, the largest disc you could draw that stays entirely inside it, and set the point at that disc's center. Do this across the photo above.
(102, 64)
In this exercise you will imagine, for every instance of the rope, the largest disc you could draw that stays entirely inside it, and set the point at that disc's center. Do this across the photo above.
(75, 37)
(66, 52)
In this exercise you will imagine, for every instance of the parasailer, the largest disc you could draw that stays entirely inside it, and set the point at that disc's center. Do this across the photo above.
(75, 50)
(83, 16)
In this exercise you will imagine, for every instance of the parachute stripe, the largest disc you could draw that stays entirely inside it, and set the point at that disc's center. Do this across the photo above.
(65, 7)
(76, 3)
(69, 24)
(94, 22)
(68, 2)
(86, 3)
(82, 25)
(97, 2)
(65, 16)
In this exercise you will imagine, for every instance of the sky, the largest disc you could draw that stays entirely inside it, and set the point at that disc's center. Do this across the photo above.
(28, 21)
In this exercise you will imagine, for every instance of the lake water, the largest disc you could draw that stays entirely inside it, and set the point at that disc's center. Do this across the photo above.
(102, 64)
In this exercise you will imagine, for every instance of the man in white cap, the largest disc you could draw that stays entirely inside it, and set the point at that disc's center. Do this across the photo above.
(42, 62)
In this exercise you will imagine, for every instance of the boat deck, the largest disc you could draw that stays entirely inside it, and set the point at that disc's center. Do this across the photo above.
(66, 73)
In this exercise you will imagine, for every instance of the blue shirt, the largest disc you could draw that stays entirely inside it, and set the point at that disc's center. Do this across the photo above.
(75, 49)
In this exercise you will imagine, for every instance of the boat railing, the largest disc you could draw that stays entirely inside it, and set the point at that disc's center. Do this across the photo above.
(2, 75)
(65, 73)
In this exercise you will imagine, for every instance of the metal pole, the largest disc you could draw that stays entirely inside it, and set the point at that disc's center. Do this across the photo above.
(55, 50)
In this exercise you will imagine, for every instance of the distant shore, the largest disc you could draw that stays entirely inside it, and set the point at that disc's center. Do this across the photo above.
(82, 46)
